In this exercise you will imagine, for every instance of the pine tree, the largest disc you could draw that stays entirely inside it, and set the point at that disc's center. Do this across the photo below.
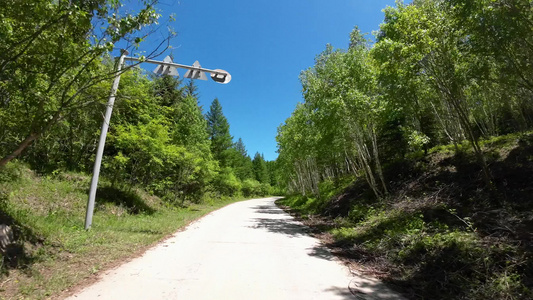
(239, 146)
(191, 89)
(260, 168)
(239, 160)
(218, 130)
(168, 90)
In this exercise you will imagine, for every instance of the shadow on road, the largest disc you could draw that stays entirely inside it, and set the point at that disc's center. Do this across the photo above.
(275, 223)
(370, 289)
(364, 290)
(343, 292)
(275, 220)
(268, 209)
(320, 252)
(282, 226)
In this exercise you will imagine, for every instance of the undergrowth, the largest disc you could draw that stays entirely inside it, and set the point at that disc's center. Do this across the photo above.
(439, 234)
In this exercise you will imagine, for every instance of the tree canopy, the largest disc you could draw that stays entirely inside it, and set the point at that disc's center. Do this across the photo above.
(56, 68)
(439, 72)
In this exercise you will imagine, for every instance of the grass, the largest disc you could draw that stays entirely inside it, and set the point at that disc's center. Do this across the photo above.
(439, 234)
(54, 253)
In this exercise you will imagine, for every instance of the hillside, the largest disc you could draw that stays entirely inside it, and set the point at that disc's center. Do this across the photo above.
(440, 233)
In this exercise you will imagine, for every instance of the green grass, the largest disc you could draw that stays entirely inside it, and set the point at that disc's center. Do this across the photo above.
(54, 251)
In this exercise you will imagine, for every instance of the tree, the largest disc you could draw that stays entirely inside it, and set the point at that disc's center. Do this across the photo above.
(239, 161)
(260, 169)
(501, 29)
(218, 130)
(190, 126)
(165, 148)
(440, 72)
(272, 169)
(239, 146)
(335, 129)
(168, 90)
(426, 32)
(500, 34)
(191, 89)
(51, 54)
(297, 142)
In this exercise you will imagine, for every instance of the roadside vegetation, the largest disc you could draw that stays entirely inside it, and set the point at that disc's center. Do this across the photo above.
(411, 154)
(53, 252)
(437, 234)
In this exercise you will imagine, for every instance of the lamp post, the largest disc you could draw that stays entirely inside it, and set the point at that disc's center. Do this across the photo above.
(166, 67)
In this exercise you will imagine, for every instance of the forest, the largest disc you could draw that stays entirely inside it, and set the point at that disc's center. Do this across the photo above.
(53, 99)
(410, 155)
(439, 72)
(411, 152)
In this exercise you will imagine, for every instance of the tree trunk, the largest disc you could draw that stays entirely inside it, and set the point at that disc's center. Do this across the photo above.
(22, 146)
(377, 163)
(463, 118)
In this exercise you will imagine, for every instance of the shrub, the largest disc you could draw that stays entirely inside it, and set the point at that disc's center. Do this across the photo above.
(226, 183)
(251, 187)
(11, 172)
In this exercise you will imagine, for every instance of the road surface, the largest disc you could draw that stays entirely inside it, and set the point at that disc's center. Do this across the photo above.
(247, 250)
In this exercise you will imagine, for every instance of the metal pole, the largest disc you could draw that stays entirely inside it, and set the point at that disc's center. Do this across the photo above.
(151, 61)
(101, 143)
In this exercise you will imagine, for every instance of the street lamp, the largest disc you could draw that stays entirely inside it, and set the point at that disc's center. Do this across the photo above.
(167, 67)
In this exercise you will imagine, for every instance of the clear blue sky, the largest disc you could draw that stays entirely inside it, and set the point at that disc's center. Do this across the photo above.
(264, 45)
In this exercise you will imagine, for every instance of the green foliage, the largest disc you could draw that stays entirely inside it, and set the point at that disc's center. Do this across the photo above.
(334, 131)
(50, 59)
(190, 127)
(260, 169)
(436, 75)
(239, 160)
(417, 140)
(251, 188)
(161, 156)
(168, 90)
(305, 205)
(226, 183)
(427, 237)
(158, 139)
(11, 172)
(218, 129)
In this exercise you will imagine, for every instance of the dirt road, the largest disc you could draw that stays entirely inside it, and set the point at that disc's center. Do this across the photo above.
(247, 250)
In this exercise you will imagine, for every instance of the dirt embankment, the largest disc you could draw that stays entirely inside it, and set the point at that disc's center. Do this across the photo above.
(441, 233)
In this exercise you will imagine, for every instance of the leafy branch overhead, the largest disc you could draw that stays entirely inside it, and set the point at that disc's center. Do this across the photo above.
(51, 55)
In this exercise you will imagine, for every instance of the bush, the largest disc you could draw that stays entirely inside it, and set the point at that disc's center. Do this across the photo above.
(11, 172)
(226, 183)
(251, 187)
(265, 189)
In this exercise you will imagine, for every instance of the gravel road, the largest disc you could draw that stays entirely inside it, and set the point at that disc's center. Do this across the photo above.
(247, 250)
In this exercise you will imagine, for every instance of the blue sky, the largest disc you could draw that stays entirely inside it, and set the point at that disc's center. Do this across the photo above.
(264, 45)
